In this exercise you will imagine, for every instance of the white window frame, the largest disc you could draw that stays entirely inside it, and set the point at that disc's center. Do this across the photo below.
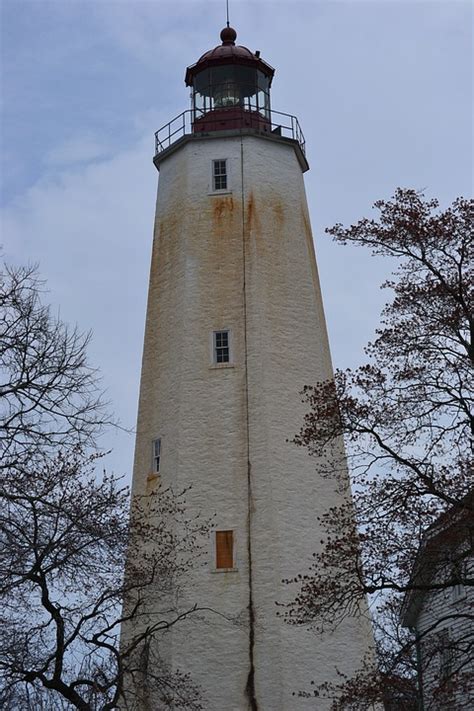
(216, 347)
(156, 458)
(213, 550)
(459, 589)
(213, 348)
(213, 176)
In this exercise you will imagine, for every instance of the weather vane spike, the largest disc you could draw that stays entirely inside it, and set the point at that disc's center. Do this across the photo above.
(227, 11)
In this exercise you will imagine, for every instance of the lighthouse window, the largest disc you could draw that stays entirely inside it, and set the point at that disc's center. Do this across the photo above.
(219, 175)
(224, 549)
(156, 455)
(221, 347)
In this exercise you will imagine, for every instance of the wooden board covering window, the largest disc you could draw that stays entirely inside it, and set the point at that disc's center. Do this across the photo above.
(224, 549)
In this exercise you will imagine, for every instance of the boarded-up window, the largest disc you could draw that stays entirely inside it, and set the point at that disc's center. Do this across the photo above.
(224, 549)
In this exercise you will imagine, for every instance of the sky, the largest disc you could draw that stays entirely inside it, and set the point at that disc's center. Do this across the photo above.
(382, 89)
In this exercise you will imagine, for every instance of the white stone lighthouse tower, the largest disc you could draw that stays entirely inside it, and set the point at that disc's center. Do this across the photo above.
(235, 328)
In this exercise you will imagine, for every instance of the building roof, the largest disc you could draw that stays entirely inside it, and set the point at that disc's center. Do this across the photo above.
(451, 530)
(228, 53)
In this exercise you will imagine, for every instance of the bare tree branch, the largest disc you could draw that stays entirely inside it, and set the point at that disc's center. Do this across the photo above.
(407, 421)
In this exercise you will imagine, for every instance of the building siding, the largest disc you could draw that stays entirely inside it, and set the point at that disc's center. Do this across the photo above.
(441, 614)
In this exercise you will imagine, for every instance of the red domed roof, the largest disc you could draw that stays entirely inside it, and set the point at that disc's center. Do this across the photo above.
(228, 53)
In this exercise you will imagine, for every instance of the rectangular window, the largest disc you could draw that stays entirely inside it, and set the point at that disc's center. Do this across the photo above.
(224, 549)
(219, 175)
(221, 347)
(156, 455)
(445, 652)
(459, 574)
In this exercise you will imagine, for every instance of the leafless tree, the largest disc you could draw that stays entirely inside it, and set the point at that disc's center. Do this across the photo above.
(49, 393)
(407, 420)
(65, 532)
(64, 536)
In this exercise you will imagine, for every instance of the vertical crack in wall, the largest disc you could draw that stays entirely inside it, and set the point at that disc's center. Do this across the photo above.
(250, 685)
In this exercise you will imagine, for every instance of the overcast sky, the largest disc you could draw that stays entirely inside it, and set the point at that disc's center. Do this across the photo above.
(382, 89)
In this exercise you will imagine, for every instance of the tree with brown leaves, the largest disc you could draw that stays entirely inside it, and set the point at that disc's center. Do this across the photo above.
(407, 420)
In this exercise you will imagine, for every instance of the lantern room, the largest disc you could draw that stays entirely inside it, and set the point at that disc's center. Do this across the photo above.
(230, 87)
(230, 92)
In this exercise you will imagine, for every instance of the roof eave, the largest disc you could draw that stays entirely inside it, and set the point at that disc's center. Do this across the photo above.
(258, 63)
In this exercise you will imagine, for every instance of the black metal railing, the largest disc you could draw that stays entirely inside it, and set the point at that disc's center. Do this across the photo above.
(194, 121)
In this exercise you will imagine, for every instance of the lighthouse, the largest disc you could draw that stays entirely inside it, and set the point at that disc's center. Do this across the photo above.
(234, 330)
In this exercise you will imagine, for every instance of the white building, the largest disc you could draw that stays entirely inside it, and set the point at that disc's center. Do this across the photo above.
(235, 328)
(440, 611)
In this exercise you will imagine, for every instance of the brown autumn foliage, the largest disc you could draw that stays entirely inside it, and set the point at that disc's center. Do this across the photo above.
(407, 420)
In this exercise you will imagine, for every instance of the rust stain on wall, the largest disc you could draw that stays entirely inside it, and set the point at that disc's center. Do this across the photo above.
(168, 230)
(223, 231)
(223, 221)
(279, 213)
(253, 226)
(222, 209)
(251, 215)
(310, 246)
(219, 252)
(307, 226)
